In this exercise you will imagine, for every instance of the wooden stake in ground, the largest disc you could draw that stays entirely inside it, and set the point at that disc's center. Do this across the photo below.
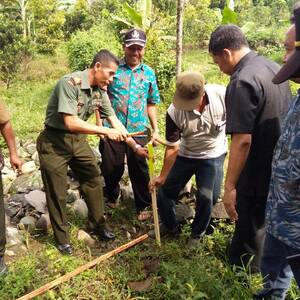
(153, 192)
(80, 269)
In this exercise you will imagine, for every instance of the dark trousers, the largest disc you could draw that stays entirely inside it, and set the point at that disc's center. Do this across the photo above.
(58, 150)
(2, 220)
(275, 268)
(112, 168)
(249, 233)
(209, 175)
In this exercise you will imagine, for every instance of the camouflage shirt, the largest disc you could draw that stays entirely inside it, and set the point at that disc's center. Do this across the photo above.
(73, 95)
(283, 205)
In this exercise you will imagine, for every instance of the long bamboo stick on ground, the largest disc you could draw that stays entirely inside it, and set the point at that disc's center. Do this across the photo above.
(153, 193)
(80, 269)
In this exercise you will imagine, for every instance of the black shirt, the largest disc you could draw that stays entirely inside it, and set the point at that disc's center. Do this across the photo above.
(256, 106)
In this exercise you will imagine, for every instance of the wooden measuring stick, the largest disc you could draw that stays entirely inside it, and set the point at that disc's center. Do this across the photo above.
(80, 269)
(153, 193)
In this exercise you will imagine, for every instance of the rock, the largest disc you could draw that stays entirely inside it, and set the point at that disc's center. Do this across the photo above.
(13, 237)
(184, 212)
(31, 148)
(18, 198)
(6, 187)
(10, 253)
(35, 181)
(133, 229)
(43, 223)
(72, 196)
(27, 223)
(128, 235)
(28, 167)
(219, 211)
(23, 153)
(35, 158)
(21, 184)
(37, 199)
(127, 193)
(80, 208)
(86, 238)
(74, 184)
(12, 209)
(186, 191)
(9, 173)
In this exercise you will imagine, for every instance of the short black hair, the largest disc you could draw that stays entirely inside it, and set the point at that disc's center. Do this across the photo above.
(226, 37)
(105, 57)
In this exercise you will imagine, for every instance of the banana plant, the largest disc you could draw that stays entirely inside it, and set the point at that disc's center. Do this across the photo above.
(139, 16)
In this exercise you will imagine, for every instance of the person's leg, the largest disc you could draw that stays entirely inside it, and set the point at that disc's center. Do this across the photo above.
(53, 150)
(3, 268)
(218, 178)
(275, 270)
(293, 260)
(180, 174)
(112, 167)
(205, 179)
(139, 177)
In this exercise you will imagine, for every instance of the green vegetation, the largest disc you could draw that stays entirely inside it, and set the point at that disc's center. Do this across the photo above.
(50, 39)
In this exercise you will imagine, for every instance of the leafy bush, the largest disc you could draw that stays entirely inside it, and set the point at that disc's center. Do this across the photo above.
(83, 45)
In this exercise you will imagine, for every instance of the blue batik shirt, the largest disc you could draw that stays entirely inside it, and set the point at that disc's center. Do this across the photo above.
(283, 205)
(130, 92)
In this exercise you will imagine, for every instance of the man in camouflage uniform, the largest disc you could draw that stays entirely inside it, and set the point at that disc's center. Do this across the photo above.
(16, 163)
(63, 143)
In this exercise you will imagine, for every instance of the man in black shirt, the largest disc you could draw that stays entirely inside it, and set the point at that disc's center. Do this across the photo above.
(255, 108)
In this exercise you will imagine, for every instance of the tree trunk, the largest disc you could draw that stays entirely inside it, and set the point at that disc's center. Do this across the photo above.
(180, 5)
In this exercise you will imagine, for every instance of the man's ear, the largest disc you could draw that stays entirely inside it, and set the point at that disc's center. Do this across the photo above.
(98, 66)
(227, 53)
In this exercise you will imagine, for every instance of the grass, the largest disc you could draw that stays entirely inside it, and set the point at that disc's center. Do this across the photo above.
(181, 273)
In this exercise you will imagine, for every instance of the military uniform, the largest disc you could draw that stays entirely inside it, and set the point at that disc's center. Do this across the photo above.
(58, 148)
(4, 117)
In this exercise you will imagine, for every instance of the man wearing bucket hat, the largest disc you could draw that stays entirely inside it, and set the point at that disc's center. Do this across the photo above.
(134, 96)
(281, 255)
(197, 145)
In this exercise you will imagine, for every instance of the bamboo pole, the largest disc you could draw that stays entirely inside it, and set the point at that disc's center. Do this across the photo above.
(153, 193)
(80, 269)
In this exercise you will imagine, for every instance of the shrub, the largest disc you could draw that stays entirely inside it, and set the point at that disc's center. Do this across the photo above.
(83, 45)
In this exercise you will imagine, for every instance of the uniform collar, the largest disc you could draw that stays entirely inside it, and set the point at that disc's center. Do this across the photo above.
(85, 83)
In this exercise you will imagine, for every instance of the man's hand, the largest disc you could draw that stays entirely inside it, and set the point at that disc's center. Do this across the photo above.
(16, 163)
(156, 182)
(115, 135)
(155, 134)
(142, 151)
(229, 200)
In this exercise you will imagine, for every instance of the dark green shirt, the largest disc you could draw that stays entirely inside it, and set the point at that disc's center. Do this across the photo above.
(73, 95)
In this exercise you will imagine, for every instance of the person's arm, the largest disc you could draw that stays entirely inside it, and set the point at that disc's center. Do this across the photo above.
(9, 137)
(152, 114)
(75, 124)
(238, 154)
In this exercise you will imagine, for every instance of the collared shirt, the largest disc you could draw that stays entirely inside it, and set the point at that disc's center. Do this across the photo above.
(73, 95)
(283, 205)
(256, 106)
(199, 135)
(130, 92)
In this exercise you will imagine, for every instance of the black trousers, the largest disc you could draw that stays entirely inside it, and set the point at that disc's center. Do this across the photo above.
(249, 233)
(112, 168)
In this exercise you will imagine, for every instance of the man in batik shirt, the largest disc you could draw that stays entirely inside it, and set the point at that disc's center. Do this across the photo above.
(134, 95)
(281, 255)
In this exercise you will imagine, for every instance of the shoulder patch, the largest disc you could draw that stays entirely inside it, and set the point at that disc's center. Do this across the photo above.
(75, 80)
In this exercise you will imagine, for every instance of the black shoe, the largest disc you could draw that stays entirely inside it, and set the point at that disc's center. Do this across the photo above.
(163, 230)
(3, 267)
(104, 235)
(65, 249)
